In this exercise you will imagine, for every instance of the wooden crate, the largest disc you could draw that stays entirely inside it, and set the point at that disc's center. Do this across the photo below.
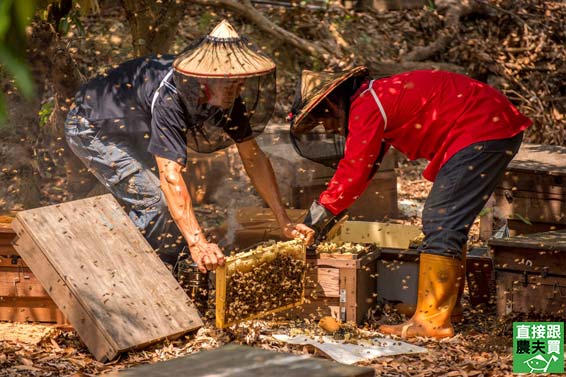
(532, 194)
(243, 361)
(530, 273)
(398, 276)
(346, 286)
(22, 297)
(103, 275)
(480, 276)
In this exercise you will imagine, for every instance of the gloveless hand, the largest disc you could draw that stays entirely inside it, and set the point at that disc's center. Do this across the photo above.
(206, 255)
(301, 231)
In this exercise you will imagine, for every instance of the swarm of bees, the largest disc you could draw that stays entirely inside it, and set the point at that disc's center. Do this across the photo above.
(270, 283)
(416, 242)
(341, 248)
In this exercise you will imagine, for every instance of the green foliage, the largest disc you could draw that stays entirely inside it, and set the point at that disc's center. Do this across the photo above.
(65, 23)
(45, 112)
(522, 218)
(317, 64)
(15, 15)
(205, 21)
(14, 18)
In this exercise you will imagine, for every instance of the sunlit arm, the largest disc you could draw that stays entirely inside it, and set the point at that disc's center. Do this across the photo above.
(261, 173)
(181, 209)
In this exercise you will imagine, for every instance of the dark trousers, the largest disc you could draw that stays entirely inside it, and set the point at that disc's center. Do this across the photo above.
(461, 189)
(129, 173)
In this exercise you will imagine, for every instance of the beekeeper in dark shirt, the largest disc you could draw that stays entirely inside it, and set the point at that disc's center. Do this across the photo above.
(131, 127)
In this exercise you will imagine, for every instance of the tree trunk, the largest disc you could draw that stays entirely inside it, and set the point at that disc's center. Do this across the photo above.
(153, 24)
(52, 63)
(19, 183)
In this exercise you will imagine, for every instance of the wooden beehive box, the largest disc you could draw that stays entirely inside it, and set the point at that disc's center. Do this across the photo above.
(345, 286)
(480, 276)
(530, 273)
(103, 275)
(532, 194)
(22, 297)
(271, 292)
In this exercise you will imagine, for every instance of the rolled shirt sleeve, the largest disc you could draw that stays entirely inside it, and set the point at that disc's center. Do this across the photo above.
(169, 129)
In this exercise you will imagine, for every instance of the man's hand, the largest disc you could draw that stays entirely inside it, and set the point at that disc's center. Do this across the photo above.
(206, 255)
(304, 233)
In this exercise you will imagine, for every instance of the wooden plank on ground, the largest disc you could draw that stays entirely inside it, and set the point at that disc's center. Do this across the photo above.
(103, 275)
(243, 361)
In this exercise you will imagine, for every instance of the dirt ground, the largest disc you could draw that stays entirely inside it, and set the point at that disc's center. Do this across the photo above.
(482, 346)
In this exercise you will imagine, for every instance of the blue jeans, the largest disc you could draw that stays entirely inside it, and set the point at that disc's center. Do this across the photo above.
(130, 174)
(460, 191)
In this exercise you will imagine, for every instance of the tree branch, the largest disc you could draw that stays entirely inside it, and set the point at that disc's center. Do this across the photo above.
(455, 9)
(245, 9)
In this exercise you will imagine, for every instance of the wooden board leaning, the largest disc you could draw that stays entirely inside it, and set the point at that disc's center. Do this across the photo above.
(103, 275)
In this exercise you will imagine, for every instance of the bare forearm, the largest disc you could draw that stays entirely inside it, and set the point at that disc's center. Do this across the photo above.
(179, 202)
(261, 173)
(206, 255)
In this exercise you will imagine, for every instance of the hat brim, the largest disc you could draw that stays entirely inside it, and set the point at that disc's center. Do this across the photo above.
(324, 91)
(230, 58)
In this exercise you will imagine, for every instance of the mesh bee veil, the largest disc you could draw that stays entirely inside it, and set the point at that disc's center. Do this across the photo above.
(319, 114)
(228, 88)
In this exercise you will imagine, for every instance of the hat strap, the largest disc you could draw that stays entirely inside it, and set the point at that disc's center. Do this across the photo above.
(161, 84)
(378, 102)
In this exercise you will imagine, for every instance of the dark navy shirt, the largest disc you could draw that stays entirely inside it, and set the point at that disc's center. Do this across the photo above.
(118, 105)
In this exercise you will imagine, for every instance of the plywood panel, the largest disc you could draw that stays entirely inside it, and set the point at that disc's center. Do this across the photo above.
(103, 275)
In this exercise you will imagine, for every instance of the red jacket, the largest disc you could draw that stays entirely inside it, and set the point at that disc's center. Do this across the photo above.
(424, 114)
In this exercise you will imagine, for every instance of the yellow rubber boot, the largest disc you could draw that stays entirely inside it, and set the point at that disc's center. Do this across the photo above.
(439, 281)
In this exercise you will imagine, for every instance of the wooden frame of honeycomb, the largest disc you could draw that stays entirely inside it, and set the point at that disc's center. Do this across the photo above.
(248, 271)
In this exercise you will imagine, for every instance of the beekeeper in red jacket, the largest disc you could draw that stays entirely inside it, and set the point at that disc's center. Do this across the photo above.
(467, 130)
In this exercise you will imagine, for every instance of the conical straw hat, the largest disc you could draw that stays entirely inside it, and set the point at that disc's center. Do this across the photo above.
(315, 86)
(223, 53)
